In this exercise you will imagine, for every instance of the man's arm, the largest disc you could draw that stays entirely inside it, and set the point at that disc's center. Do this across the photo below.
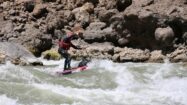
(75, 47)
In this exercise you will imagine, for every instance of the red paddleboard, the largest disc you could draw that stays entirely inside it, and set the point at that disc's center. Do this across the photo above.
(72, 70)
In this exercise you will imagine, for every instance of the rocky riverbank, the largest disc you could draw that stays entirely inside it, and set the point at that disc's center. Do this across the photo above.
(120, 30)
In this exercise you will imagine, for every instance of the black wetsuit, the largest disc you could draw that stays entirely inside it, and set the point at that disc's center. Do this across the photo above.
(64, 46)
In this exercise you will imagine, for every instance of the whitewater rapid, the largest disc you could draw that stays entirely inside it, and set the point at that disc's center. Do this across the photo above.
(105, 83)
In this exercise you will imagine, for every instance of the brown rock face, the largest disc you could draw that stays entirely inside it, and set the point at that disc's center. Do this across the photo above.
(160, 26)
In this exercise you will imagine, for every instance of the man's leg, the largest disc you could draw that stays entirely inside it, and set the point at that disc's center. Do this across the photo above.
(65, 64)
(65, 55)
(69, 61)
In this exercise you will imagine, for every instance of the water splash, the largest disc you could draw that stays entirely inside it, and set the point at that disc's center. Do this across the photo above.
(4, 100)
(106, 83)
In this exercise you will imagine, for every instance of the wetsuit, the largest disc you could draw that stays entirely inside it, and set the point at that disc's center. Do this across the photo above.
(64, 46)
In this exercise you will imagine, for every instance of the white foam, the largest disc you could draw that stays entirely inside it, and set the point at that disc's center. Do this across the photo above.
(51, 62)
(159, 85)
(4, 100)
(10, 71)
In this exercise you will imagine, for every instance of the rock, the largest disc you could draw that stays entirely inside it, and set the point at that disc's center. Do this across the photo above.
(96, 26)
(123, 4)
(68, 15)
(123, 41)
(1, 9)
(98, 35)
(164, 35)
(157, 56)
(35, 40)
(39, 11)
(134, 55)
(116, 58)
(95, 50)
(1, 34)
(59, 7)
(87, 7)
(117, 50)
(28, 4)
(13, 12)
(111, 35)
(26, 1)
(104, 47)
(108, 4)
(55, 22)
(94, 36)
(117, 18)
(42, 43)
(49, 0)
(2, 58)
(72, 4)
(185, 37)
(19, 28)
(145, 14)
(8, 28)
(147, 2)
(16, 53)
(179, 55)
(105, 15)
(81, 16)
(5, 4)
(58, 34)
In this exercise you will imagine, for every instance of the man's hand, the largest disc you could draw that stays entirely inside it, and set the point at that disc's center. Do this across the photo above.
(79, 48)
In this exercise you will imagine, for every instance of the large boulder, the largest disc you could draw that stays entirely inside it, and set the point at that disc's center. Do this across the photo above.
(130, 55)
(157, 56)
(28, 4)
(179, 55)
(40, 10)
(17, 54)
(55, 21)
(82, 15)
(164, 35)
(35, 40)
(93, 35)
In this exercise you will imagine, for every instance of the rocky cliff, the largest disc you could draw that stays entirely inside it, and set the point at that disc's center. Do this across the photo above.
(121, 30)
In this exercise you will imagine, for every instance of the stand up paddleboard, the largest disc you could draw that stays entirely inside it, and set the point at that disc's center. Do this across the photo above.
(72, 70)
(81, 67)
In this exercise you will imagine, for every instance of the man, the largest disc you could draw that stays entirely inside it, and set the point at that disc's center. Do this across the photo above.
(64, 46)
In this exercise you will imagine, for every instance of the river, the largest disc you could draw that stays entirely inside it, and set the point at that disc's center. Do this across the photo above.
(105, 83)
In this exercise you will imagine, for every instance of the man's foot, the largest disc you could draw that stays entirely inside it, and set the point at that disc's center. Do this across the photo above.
(67, 68)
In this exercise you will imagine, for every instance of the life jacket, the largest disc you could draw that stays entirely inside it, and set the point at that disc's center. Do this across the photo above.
(65, 46)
